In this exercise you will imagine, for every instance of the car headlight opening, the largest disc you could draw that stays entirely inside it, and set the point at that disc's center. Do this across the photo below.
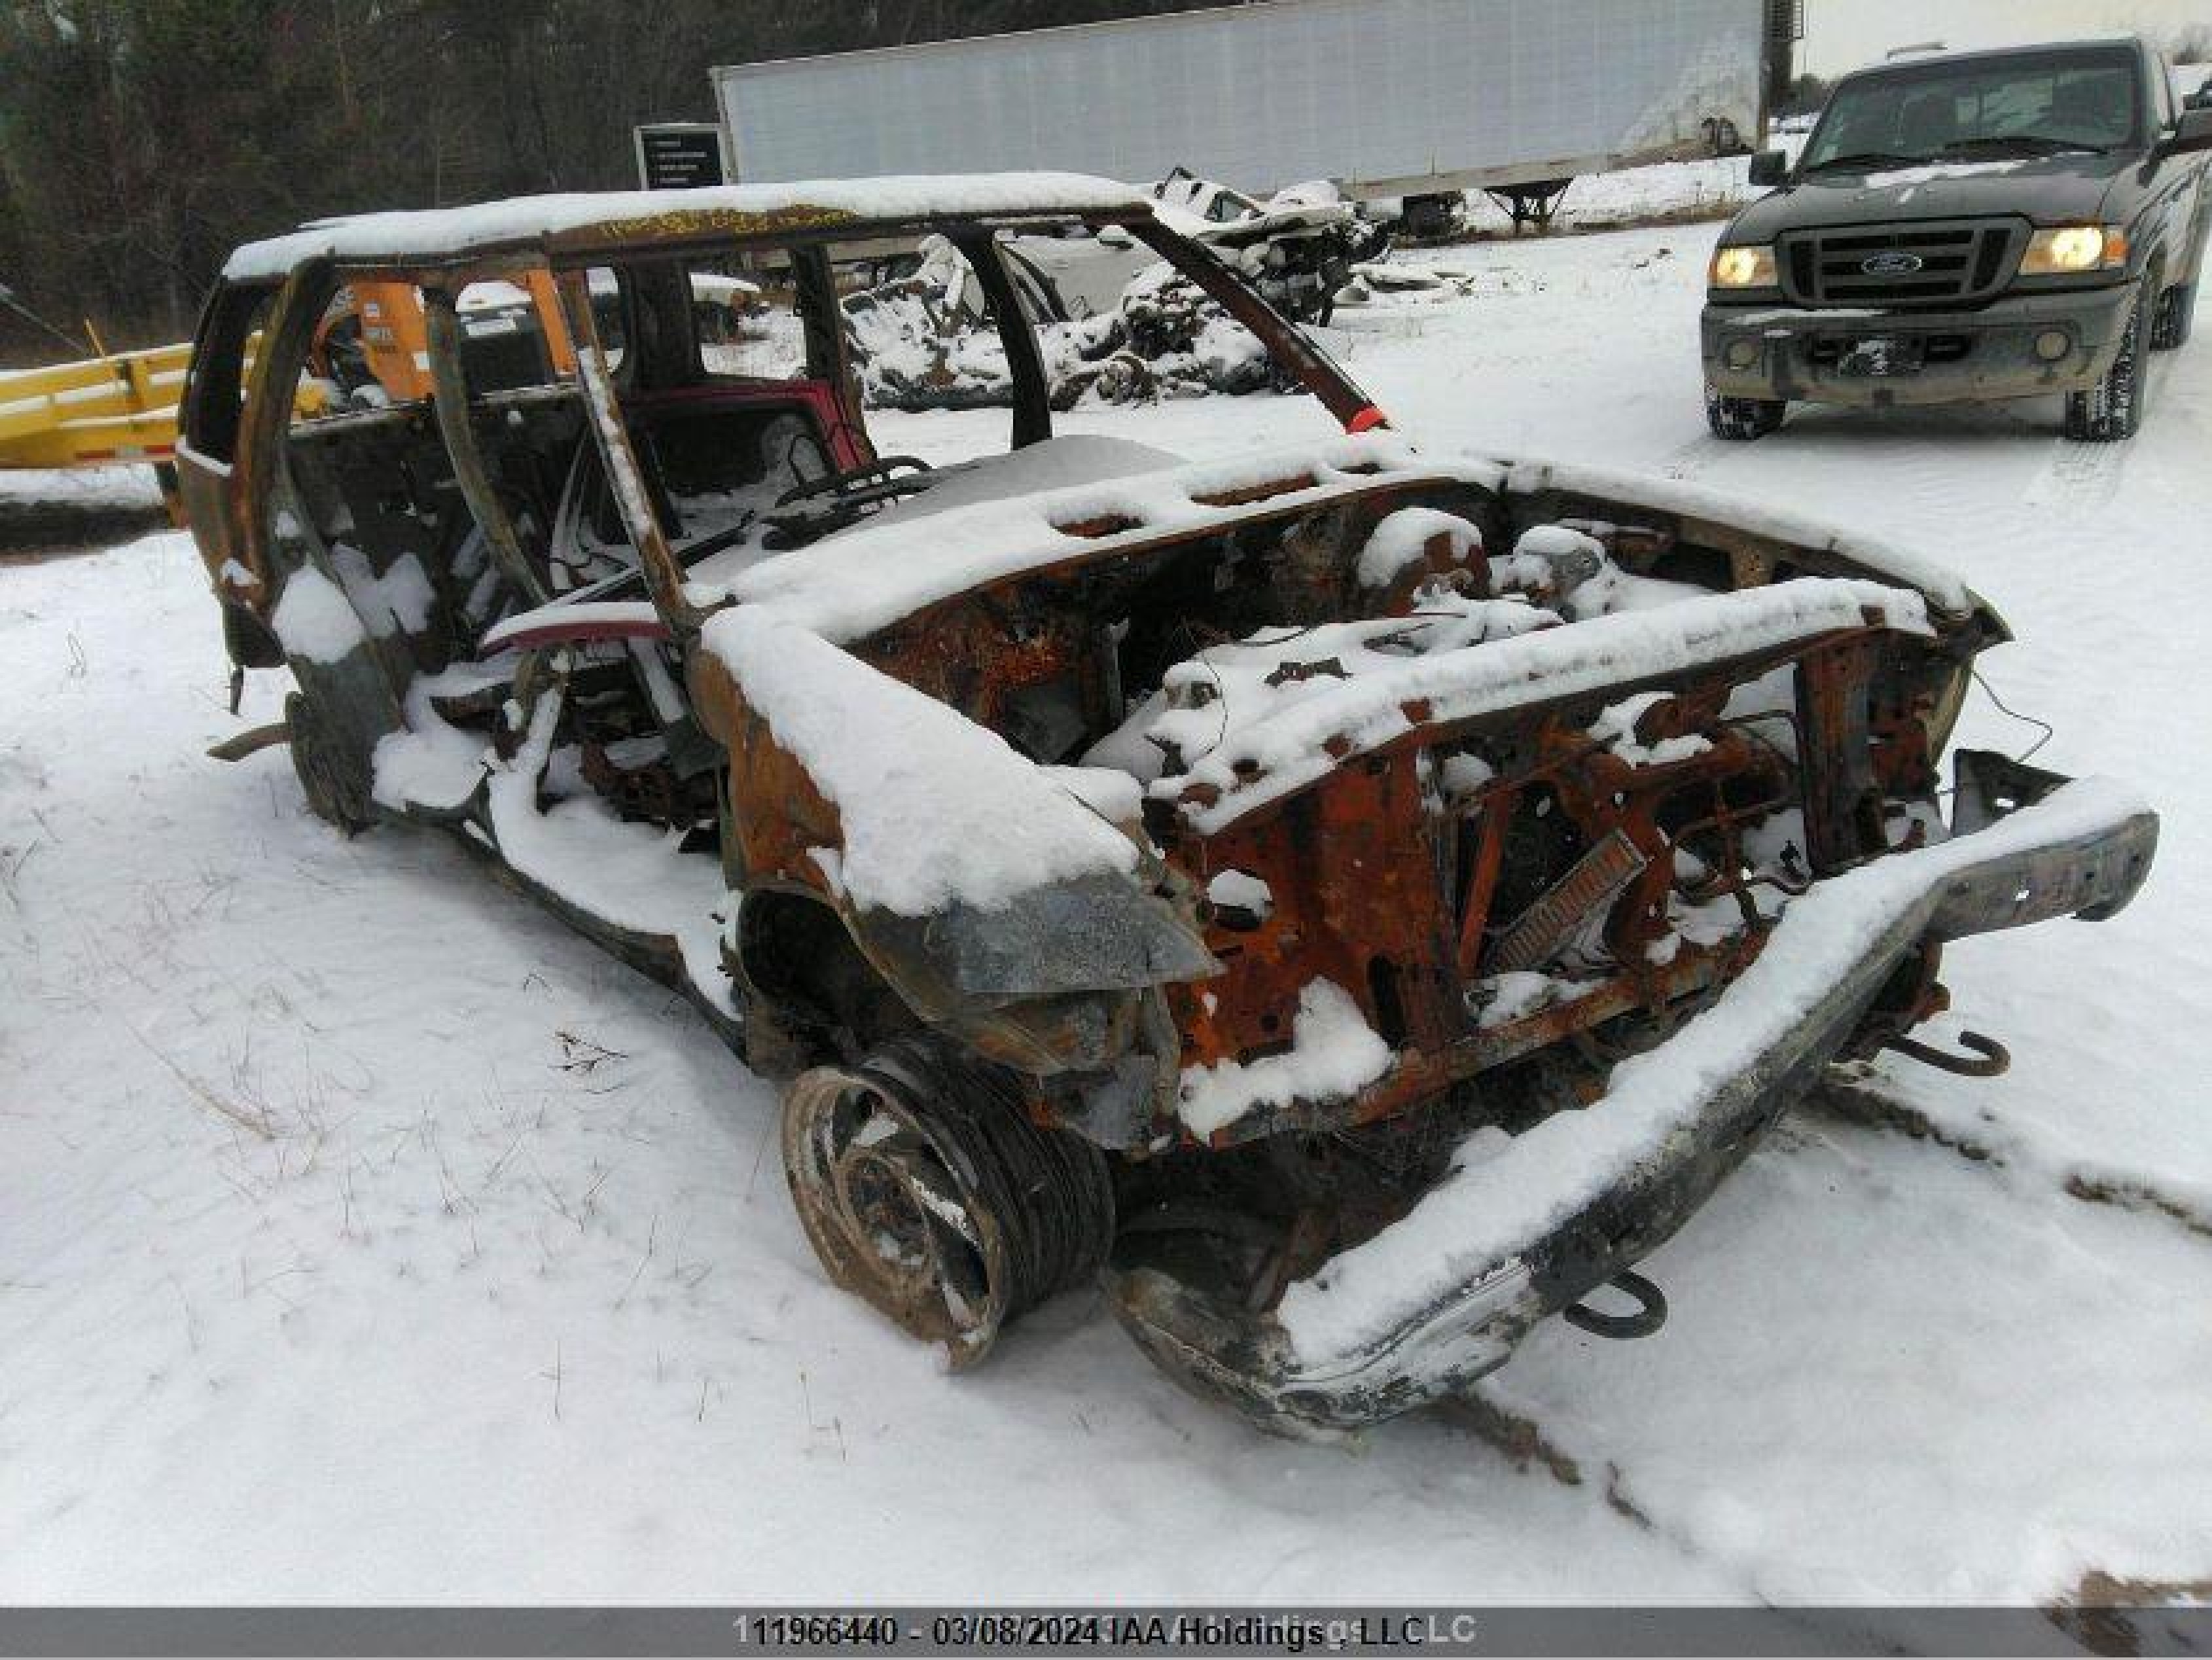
(2065, 250)
(1742, 267)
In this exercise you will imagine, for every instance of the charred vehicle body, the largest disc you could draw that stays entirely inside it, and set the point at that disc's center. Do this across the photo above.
(1981, 226)
(1358, 899)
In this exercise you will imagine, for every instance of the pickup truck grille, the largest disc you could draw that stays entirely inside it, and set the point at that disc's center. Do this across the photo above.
(1960, 261)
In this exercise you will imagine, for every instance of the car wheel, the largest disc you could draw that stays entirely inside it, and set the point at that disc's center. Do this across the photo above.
(2176, 308)
(925, 1190)
(1742, 418)
(2112, 409)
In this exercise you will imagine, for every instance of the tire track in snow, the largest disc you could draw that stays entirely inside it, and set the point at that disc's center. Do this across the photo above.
(1855, 1094)
(2080, 475)
(1897, 1338)
(1482, 1410)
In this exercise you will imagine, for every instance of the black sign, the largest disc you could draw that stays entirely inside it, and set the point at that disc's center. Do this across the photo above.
(679, 156)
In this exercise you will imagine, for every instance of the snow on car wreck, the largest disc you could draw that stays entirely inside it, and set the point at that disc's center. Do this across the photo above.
(1357, 899)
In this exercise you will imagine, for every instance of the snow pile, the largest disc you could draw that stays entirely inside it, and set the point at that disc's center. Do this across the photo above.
(1401, 541)
(1503, 997)
(1334, 1053)
(314, 619)
(1241, 891)
(429, 763)
(935, 809)
(1489, 1211)
(1616, 728)
(398, 599)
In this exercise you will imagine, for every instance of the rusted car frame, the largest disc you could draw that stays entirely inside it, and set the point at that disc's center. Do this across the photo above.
(1365, 808)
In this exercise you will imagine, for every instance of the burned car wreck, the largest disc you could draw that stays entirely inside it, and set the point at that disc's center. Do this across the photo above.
(1357, 899)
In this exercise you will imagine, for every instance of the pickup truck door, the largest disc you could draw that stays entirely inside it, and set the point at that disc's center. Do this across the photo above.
(2176, 210)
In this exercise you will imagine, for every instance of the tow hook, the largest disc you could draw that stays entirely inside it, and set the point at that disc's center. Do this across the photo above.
(1650, 1314)
(1994, 1057)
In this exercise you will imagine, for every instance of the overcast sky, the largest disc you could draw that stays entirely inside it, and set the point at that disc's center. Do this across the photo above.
(1842, 35)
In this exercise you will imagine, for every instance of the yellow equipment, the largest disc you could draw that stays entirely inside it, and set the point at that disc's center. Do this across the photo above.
(395, 341)
(95, 413)
(107, 411)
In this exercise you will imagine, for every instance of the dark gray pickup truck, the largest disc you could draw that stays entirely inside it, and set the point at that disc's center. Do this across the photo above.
(1975, 226)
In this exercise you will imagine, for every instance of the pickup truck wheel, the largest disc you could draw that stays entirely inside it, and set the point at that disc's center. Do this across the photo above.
(2112, 409)
(1742, 418)
(2176, 308)
(925, 1190)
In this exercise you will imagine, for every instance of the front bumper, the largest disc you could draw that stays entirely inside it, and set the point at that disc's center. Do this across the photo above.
(1418, 1312)
(1784, 352)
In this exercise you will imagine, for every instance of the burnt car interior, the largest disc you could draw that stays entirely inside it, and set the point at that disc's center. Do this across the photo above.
(487, 498)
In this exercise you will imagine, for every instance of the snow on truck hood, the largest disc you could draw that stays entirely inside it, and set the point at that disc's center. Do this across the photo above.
(2050, 190)
(900, 199)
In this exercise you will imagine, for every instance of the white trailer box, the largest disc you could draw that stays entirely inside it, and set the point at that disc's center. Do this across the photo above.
(1387, 97)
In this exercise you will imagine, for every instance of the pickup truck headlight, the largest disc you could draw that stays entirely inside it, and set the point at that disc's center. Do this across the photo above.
(2063, 250)
(1742, 267)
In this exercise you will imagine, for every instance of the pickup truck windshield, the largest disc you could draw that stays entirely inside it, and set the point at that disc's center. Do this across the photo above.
(2029, 104)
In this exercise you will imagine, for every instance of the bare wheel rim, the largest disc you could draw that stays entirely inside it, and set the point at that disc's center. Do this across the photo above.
(891, 1209)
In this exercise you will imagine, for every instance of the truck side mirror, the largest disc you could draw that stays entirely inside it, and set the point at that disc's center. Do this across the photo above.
(1769, 167)
(2192, 132)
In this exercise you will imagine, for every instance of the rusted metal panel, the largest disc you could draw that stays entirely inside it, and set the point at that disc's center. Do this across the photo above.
(1842, 806)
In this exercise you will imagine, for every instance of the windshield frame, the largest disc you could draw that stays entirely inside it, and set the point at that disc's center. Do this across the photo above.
(1822, 146)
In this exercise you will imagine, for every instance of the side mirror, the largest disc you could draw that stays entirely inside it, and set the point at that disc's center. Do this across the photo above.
(2192, 132)
(1769, 167)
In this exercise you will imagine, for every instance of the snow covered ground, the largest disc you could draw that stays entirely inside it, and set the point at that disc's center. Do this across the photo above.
(364, 1235)
(42, 510)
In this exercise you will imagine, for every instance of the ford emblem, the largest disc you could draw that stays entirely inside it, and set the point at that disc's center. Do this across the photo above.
(1890, 264)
